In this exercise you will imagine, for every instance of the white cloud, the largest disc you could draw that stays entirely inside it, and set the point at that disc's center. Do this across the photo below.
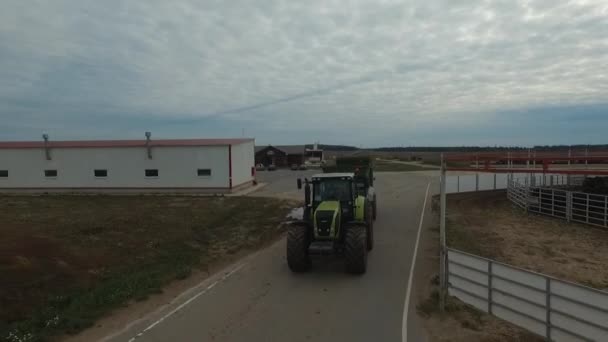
(391, 65)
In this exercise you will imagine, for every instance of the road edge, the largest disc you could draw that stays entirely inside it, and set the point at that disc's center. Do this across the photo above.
(406, 304)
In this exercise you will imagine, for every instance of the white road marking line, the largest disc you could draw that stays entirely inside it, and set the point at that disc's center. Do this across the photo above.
(184, 304)
(411, 277)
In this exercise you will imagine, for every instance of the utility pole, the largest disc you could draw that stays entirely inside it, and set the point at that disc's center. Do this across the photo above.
(443, 249)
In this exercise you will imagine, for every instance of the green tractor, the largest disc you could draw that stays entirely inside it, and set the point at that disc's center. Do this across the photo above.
(338, 219)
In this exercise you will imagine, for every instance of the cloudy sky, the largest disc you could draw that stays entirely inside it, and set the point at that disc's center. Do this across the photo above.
(372, 73)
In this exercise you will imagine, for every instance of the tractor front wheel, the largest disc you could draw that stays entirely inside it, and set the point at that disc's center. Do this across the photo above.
(355, 249)
(297, 248)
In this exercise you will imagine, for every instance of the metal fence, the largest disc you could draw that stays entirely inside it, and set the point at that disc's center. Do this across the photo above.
(553, 308)
(569, 205)
(498, 181)
(476, 182)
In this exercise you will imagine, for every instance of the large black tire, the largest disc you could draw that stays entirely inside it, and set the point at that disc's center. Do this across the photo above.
(370, 235)
(375, 210)
(370, 232)
(297, 248)
(355, 249)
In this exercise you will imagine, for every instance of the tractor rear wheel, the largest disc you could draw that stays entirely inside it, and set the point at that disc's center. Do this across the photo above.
(297, 248)
(355, 249)
(370, 236)
(375, 210)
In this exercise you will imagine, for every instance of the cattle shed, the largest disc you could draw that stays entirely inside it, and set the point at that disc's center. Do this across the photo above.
(178, 165)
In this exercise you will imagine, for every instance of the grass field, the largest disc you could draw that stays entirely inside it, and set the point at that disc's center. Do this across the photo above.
(68, 260)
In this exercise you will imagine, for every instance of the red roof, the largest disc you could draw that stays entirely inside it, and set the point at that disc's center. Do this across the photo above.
(123, 143)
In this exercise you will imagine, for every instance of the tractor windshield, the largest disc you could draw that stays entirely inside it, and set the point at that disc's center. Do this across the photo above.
(332, 190)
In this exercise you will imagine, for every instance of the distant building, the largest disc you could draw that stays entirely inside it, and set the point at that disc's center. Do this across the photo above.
(192, 165)
(281, 156)
(314, 155)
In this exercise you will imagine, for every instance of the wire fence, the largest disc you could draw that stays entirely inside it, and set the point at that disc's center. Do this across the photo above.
(553, 308)
(573, 206)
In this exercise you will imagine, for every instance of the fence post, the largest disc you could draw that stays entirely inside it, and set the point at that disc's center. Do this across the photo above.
(548, 307)
(494, 181)
(490, 287)
(605, 211)
(568, 206)
(443, 254)
(552, 202)
(587, 211)
(458, 183)
(532, 179)
(477, 182)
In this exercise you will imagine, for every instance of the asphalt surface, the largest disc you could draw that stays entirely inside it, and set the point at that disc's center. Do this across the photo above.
(282, 183)
(259, 299)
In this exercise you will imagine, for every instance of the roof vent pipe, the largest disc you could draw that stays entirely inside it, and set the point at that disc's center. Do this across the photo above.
(47, 148)
(148, 135)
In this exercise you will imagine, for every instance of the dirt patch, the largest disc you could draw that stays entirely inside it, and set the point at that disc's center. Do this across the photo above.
(487, 224)
(460, 322)
(68, 260)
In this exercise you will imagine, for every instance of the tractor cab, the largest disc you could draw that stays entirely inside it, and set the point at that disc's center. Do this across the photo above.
(338, 188)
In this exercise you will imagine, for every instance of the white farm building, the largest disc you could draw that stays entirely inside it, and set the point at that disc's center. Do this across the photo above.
(192, 165)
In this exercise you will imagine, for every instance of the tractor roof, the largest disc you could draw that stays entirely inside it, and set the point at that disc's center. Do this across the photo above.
(333, 175)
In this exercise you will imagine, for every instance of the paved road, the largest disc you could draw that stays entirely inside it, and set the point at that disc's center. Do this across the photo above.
(261, 300)
(282, 183)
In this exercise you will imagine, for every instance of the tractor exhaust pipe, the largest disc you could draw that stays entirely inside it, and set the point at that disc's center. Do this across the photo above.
(307, 194)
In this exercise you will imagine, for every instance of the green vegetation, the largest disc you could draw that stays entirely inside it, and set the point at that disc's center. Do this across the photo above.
(68, 260)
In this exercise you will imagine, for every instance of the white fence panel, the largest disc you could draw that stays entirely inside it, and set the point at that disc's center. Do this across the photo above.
(519, 276)
(520, 320)
(452, 185)
(486, 181)
(533, 296)
(558, 310)
(502, 180)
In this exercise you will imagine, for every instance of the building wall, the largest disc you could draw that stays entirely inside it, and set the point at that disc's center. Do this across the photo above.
(242, 162)
(177, 167)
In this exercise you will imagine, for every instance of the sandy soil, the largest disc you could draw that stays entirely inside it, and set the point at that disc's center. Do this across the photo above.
(488, 225)
(461, 323)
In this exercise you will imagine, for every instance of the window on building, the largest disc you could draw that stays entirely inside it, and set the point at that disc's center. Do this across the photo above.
(100, 173)
(3, 173)
(151, 172)
(204, 172)
(50, 173)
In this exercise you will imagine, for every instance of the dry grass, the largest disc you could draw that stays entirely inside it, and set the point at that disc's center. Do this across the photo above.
(463, 323)
(68, 260)
(488, 225)
(387, 166)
